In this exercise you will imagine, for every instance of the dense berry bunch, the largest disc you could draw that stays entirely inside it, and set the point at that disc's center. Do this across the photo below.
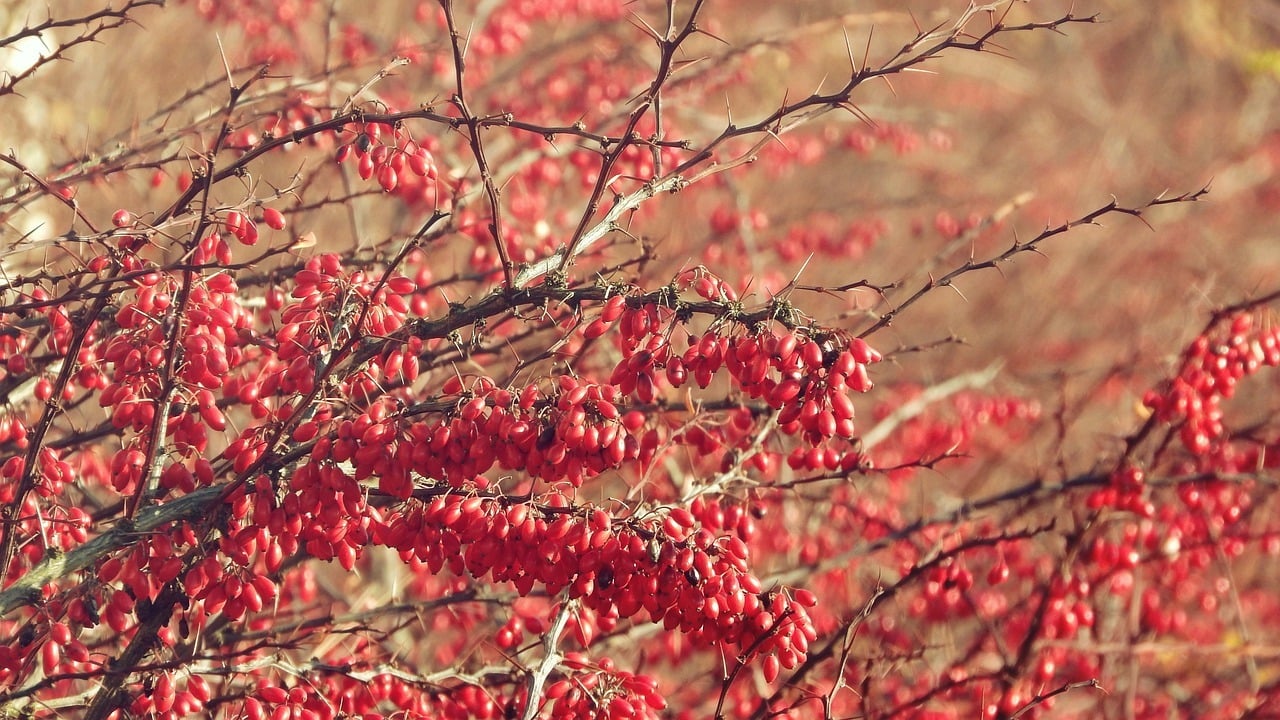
(677, 571)
(1212, 367)
(397, 163)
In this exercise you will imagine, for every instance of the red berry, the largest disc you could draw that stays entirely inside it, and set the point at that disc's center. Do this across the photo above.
(248, 233)
(387, 178)
(60, 633)
(50, 657)
(273, 218)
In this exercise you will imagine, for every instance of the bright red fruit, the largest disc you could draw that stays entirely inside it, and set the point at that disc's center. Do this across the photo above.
(273, 218)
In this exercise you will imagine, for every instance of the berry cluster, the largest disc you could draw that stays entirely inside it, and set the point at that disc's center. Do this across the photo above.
(575, 432)
(1125, 492)
(384, 153)
(664, 563)
(603, 690)
(333, 306)
(1212, 367)
(807, 379)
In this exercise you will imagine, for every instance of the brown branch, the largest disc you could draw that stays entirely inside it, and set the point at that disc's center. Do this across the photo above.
(107, 19)
(1018, 247)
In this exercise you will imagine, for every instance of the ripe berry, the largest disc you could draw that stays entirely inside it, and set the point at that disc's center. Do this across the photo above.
(387, 178)
(273, 218)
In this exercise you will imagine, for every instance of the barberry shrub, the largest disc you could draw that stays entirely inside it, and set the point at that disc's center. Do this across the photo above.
(598, 359)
